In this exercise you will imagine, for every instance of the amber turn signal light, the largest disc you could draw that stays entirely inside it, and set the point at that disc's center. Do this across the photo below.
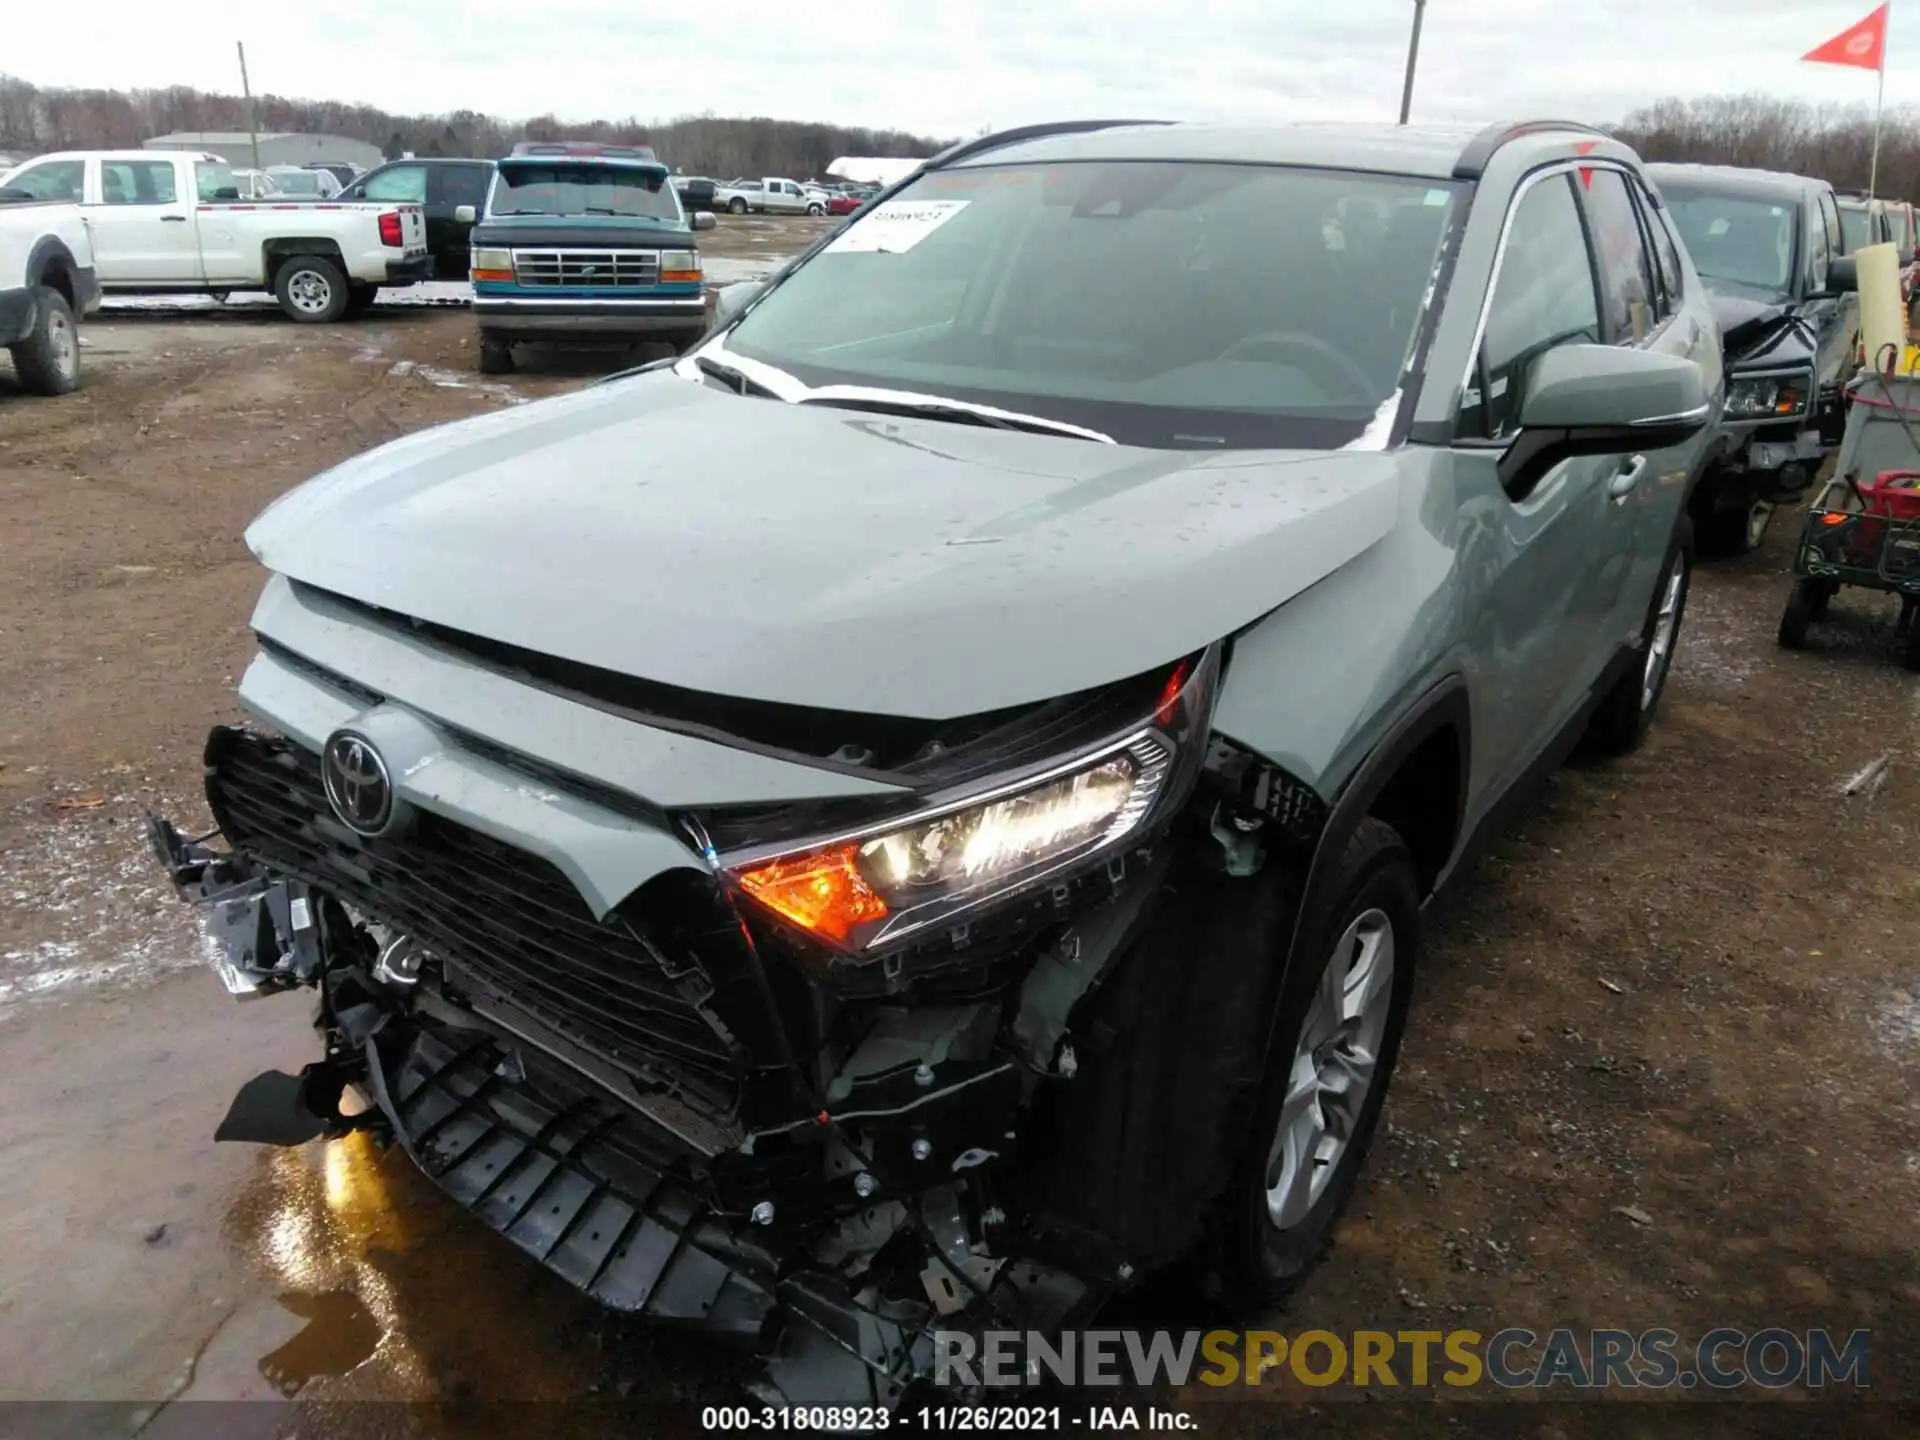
(823, 892)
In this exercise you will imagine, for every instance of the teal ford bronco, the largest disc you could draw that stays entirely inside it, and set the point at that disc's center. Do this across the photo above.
(584, 243)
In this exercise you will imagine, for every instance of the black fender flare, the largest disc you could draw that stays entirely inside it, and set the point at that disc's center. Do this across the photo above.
(46, 251)
(1443, 703)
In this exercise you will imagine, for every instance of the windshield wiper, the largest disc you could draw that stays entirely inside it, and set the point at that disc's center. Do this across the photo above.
(735, 380)
(937, 407)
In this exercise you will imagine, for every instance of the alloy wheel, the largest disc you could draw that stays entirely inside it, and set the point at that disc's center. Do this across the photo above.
(1659, 659)
(1333, 1068)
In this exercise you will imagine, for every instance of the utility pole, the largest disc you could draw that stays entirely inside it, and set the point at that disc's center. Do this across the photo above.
(253, 124)
(1413, 59)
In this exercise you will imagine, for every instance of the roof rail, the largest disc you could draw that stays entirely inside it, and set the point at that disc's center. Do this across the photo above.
(1472, 163)
(978, 144)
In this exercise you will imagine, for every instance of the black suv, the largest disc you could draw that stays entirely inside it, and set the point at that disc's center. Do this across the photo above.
(1773, 252)
(452, 191)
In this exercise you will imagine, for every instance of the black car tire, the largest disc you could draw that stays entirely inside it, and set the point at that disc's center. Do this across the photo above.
(496, 355)
(311, 290)
(816, 209)
(1820, 594)
(1792, 634)
(1153, 1145)
(48, 360)
(1260, 1262)
(736, 206)
(1721, 533)
(1623, 718)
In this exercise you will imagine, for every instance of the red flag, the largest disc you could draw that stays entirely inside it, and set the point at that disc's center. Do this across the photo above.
(1864, 45)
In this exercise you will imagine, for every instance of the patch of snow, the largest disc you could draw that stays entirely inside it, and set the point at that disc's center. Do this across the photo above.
(96, 904)
(1897, 1026)
(452, 380)
(730, 269)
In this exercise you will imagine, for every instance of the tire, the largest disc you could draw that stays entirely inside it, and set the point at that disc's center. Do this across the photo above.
(736, 206)
(1148, 1148)
(1621, 721)
(48, 360)
(311, 290)
(1723, 533)
(496, 355)
(1132, 1156)
(360, 299)
(1819, 596)
(1792, 634)
(1374, 920)
(816, 209)
(1910, 651)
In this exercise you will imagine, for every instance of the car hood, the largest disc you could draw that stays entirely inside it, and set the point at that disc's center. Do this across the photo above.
(814, 556)
(1752, 331)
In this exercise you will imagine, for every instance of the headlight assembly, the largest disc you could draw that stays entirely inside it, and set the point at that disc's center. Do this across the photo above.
(861, 891)
(1780, 396)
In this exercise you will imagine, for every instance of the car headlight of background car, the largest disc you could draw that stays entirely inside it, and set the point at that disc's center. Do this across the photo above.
(864, 890)
(491, 264)
(1781, 395)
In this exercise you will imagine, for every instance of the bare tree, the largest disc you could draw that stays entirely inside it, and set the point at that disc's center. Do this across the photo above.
(1764, 132)
(34, 120)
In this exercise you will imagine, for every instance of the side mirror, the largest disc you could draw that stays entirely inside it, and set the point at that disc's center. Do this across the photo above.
(1843, 276)
(1602, 400)
(464, 214)
(703, 220)
(730, 300)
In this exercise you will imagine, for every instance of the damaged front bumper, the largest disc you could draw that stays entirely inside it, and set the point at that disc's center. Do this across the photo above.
(834, 1226)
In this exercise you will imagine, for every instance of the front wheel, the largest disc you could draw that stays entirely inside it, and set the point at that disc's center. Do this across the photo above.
(1320, 1101)
(1626, 714)
(311, 290)
(48, 360)
(1794, 619)
(1736, 530)
(496, 356)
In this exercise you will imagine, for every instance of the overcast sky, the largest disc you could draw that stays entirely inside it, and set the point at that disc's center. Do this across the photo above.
(954, 67)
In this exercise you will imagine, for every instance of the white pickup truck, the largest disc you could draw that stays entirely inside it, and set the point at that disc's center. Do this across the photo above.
(169, 222)
(46, 284)
(772, 196)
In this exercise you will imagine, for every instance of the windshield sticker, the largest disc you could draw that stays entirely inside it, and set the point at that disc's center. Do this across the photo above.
(1436, 197)
(898, 225)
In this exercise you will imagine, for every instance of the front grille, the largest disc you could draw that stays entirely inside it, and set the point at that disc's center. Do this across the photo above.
(586, 268)
(501, 912)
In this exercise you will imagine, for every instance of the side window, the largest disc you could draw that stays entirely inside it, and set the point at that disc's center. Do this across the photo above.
(464, 185)
(1542, 297)
(136, 182)
(405, 184)
(55, 180)
(1821, 243)
(1626, 277)
(215, 181)
(1665, 253)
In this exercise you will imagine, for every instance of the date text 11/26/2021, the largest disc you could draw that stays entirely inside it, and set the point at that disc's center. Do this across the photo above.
(937, 1419)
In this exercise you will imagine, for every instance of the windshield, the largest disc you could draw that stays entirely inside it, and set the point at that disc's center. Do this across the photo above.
(591, 188)
(1741, 244)
(1165, 304)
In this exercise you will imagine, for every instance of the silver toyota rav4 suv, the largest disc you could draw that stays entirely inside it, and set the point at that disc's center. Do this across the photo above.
(917, 813)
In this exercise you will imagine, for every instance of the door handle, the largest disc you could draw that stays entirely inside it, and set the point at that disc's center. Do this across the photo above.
(1626, 478)
(174, 219)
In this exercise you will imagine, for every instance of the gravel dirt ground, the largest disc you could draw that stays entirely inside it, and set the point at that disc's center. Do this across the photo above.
(1661, 1070)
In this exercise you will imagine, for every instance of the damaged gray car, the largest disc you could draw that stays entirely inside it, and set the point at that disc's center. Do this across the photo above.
(916, 815)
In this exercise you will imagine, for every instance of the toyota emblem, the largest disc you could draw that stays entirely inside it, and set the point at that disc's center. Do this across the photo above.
(357, 784)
